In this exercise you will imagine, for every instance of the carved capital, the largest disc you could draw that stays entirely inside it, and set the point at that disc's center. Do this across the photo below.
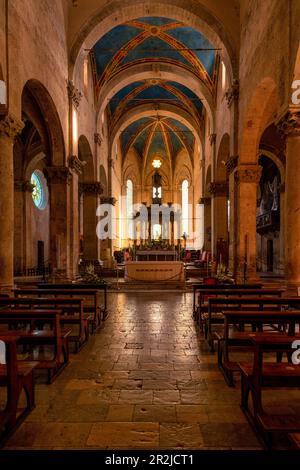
(97, 139)
(231, 164)
(75, 164)
(74, 94)
(58, 174)
(212, 138)
(108, 200)
(289, 123)
(248, 174)
(10, 126)
(111, 163)
(232, 94)
(205, 200)
(93, 188)
(23, 186)
(218, 188)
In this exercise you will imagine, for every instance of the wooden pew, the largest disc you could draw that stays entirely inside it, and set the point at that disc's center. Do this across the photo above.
(295, 439)
(224, 293)
(200, 286)
(15, 376)
(259, 375)
(71, 310)
(91, 300)
(286, 319)
(27, 324)
(101, 288)
(264, 300)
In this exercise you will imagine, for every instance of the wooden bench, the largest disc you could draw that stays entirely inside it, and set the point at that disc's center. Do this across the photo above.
(202, 286)
(259, 375)
(71, 309)
(91, 301)
(101, 288)
(225, 293)
(285, 320)
(264, 300)
(15, 376)
(29, 326)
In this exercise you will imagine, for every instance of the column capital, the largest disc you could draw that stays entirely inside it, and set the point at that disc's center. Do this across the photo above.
(232, 163)
(93, 188)
(205, 200)
(218, 188)
(75, 164)
(74, 94)
(97, 139)
(10, 126)
(248, 174)
(108, 200)
(212, 139)
(58, 174)
(288, 123)
(232, 94)
(23, 186)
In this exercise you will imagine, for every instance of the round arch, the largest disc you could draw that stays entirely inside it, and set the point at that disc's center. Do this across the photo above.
(147, 111)
(142, 72)
(261, 111)
(86, 157)
(194, 15)
(276, 160)
(51, 120)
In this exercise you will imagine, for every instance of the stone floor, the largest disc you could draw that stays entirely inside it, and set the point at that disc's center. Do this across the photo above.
(145, 381)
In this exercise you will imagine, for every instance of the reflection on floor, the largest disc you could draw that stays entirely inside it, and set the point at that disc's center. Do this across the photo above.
(145, 381)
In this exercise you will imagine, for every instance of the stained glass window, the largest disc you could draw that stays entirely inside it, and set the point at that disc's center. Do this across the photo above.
(40, 189)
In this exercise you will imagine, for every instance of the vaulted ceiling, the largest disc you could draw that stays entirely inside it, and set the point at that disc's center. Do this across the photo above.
(148, 41)
(157, 137)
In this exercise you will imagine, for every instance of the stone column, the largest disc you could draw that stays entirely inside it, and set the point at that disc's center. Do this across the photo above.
(91, 190)
(10, 126)
(59, 178)
(206, 201)
(76, 167)
(247, 177)
(219, 206)
(231, 164)
(289, 125)
(23, 189)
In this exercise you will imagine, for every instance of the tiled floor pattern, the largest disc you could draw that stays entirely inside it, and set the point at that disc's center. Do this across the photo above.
(145, 381)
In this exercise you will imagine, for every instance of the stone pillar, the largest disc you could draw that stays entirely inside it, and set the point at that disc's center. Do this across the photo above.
(59, 178)
(9, 128)
(91, 190)
(206, 201)
(231, 164)
(23, 189)
(247, 177)
(75, 166)
(289, 125)
(219, 207)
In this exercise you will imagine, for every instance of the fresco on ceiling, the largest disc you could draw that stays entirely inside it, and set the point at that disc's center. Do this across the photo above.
(151, 39)
(139, 93)
(152, 136)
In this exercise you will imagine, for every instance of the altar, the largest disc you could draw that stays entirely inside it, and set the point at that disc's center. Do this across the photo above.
(154, 271)
(156, 255)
